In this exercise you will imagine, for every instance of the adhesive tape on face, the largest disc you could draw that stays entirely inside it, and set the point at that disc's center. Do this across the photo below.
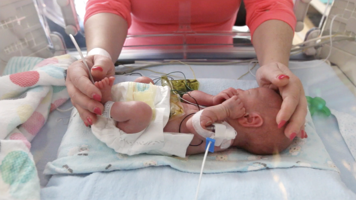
(99, 51)
(107, 109)
(197, 126)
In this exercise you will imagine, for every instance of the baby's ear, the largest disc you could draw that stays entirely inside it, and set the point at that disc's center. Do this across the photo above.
(253, 119)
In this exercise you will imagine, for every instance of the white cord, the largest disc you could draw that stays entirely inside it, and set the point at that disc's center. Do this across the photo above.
(319, 38)
(330, 50)
(65, 110)
(201, 171)
(324, 15)
(249, 69)
(331, 41)
(81, 56)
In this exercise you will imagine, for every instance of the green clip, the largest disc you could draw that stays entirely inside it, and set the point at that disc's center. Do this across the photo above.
(317, 104)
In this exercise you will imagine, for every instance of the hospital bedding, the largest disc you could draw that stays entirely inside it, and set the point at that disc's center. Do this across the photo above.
(26, 99)
(325, 84)
(82, 152)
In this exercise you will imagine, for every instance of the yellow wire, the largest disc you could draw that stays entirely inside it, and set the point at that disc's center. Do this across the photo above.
(172, 61)
(161, 73)
(248, 71)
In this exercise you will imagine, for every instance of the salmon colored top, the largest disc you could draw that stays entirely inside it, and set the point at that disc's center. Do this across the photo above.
(167, 16)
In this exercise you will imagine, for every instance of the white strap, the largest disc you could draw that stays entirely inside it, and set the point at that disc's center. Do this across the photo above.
(223, 135)
(107, 109)
(197, 126)
(99, 51)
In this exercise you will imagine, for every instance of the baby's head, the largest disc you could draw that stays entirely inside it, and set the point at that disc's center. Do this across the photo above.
(258, 131)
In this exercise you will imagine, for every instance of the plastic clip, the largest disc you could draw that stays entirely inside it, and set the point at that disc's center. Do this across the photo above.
(212, 145)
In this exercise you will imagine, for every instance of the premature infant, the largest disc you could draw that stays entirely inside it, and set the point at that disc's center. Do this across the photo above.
(251, 113)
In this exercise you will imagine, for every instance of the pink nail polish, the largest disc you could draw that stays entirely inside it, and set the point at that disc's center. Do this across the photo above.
(283, 76)
(90, 121)
(292, 136)
(282, 123)
(302, 134)
(97, 111)
(97, 68)
(96, 97)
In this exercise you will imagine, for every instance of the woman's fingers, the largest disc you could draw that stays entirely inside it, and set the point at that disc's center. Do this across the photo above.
(297, 120)
(294, 105)
(77, 76)
(291, 94)
(85, 96)
(84, 103)
(87, 117)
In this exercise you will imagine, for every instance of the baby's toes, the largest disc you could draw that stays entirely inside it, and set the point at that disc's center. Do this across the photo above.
(105, 81)
(96, 84)
(111, 80)
(102, 84)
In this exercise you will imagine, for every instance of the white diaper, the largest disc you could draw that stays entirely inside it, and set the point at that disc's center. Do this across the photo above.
(150, 140)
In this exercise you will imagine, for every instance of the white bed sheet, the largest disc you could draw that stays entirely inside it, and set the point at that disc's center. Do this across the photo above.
(317, 78)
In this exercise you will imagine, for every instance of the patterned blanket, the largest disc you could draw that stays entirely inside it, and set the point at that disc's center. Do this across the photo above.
(30, 89)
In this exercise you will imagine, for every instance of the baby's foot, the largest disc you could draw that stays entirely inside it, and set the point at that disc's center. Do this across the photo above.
(105, 87)
(234, 107)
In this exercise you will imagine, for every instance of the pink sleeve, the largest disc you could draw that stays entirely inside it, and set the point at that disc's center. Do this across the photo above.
(118, 7)
(260, 11)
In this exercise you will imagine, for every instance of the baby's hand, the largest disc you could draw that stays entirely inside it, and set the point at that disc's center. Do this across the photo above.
(224, 95)
(234, 107)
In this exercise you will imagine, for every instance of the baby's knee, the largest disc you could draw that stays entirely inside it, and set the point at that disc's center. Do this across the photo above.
(141, 110)
(144, 79)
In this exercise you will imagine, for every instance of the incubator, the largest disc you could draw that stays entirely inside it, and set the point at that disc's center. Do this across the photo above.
(71, 163)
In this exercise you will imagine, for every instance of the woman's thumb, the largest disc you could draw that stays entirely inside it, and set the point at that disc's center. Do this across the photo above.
(273, 73)
(102, 67)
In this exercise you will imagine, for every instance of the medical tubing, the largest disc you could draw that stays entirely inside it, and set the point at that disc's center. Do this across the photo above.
(331, 41)
(324, 14)
(321, 43)
(320, 38)
(81, 55)
(183, 121)
(201, 170)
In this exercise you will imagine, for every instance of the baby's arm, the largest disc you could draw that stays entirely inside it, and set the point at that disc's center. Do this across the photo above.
(202, 98)
(231, 108)
(224, 95)
(205, 99)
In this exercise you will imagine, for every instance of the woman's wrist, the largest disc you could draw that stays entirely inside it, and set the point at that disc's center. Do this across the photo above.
(99, 51)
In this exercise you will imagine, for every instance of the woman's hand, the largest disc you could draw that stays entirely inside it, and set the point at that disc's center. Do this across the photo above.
(294, 106)
(83, 93)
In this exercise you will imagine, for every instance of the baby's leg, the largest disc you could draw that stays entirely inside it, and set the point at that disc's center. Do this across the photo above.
(133, 116)
(144, 79)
